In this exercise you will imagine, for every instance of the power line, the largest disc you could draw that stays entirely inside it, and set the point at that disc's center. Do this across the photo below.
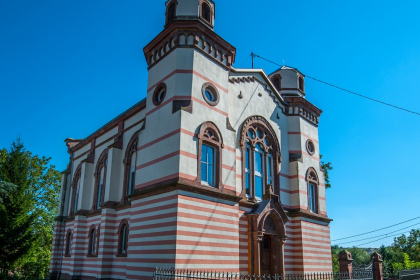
(382, 238)
(346, 90)
(376, 230)
(245, 61)
(379, 235)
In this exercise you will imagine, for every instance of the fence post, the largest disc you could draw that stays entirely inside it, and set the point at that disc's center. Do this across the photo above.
(377, 266)
(346, 263)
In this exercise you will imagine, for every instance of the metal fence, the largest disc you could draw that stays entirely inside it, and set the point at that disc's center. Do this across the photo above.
(412, 274)
(176, 274)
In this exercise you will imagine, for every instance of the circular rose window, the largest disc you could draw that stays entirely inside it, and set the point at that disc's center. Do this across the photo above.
(310, 147)
(210, 94)
(159, 94)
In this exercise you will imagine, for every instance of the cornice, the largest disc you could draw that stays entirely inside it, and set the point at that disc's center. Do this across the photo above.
(308, 215)
(190, 34)
(299, 106)
(184, 185)
(113, 123)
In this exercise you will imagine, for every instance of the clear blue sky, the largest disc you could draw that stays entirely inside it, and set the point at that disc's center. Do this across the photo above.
(68, 67)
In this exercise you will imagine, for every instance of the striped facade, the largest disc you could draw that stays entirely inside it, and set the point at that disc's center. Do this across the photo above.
(134, 196)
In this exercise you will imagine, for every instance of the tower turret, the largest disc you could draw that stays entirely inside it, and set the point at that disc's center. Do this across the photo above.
(202, 10)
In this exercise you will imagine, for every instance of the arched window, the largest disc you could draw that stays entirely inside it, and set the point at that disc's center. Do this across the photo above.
(76, 191)
(123, 239)
(277, 82)
(209, 156)
(100, 175)
(206, 12)
(261, 154)
(301, 84)
(313, 183)
(171, 13)
(92, 244)
(67, 252)
(130, 167)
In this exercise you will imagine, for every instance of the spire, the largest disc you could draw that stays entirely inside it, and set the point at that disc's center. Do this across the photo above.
(201, 10)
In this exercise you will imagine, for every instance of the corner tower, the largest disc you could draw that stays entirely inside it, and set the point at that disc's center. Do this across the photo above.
(184, 57)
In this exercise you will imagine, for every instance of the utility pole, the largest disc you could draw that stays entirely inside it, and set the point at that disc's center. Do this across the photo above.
(252, 55)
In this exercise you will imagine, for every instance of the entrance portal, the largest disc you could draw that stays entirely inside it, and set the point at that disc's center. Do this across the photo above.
(267, 235)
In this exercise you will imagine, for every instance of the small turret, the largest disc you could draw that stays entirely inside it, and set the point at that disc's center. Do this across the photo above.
(289, 82)
(202, 10)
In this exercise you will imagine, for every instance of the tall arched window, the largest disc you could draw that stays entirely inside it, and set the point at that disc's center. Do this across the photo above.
(123, 239)
(206, 12)
(67, 252)
(76, 190)
(209, 156)
(171, 13)
(100, 175)
(93, 238)
(277, 82)
(301, 84)
(261, 154)
(313, 183)
(130, 161)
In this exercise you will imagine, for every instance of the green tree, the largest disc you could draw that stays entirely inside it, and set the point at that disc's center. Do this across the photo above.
(326, 168)
(31, 208)
(409, 245)
(5, 190)
(335, 250)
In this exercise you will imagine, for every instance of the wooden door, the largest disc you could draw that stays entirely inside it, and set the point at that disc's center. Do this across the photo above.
(265, 257)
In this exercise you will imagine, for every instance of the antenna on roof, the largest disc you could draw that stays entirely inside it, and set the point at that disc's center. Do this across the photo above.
(252, 55)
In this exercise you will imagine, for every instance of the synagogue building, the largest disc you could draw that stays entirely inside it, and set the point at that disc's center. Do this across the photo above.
(217, 169)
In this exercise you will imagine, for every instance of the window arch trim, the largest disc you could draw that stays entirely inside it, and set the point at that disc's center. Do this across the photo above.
(167, 21)
(301, 84)
(100, 163)
(120, 252)
(313, 178)
(77, 177)
(211, 11)
(261, 122)
(132, 147)
(215, 142)
(69, 239)
(94, 243)
(273, 79)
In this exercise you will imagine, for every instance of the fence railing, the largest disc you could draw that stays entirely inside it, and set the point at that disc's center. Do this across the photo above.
(179, 274)
(409, 274)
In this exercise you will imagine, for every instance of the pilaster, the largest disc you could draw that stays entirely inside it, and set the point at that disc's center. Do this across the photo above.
(113, 187)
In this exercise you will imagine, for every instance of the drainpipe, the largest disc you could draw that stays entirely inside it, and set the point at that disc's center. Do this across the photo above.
(63, 222)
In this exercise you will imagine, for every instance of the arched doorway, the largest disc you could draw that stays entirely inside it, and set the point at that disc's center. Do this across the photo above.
(267, 236)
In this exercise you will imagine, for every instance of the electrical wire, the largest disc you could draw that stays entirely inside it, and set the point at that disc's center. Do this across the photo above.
(379, 235)
(244, 61)
(346, 90)
(383, 238)
(375, 230)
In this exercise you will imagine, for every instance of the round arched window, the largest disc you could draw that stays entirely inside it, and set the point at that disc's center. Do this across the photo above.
(301, 84)
(206, 12)
(210, 94)
(171, 13)
(159, 94)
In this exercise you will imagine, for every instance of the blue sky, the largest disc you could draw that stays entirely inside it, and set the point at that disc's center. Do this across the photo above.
(68, 67)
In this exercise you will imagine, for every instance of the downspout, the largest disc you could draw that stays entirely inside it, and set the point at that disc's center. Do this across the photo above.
(63, 222)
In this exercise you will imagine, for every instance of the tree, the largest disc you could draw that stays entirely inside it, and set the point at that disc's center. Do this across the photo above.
(26, 228)
(5, 190)
(409, 245)
(326, 168)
